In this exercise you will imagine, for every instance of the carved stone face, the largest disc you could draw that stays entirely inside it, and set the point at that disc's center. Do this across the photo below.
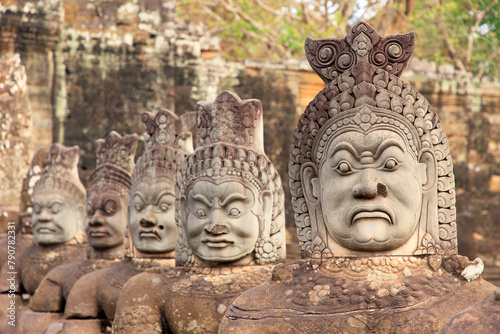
(222, 222)
(55, 219)
(370, 190)
(152, 217)
(106, 220)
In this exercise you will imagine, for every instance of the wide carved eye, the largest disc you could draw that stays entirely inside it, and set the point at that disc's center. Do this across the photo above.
(200, 213)
(90, 210)
(234, 212)
(138, 207)
(343, 167)
(110, 207)
(391, 164)
(164, 207)
(37, 208)
(55, 209)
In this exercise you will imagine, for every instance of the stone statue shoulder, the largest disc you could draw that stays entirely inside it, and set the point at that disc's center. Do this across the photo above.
(482, 317)
(344, 290)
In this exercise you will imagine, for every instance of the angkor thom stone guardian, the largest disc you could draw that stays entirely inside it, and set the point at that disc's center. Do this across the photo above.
(229, 211)
(57, 220)
(373, 193)
(151, 222)
(108, 193)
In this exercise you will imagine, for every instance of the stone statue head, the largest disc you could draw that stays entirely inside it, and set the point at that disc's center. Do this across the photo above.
(370, 168)
(152, 197)
(230, 196)
(58, 197)
(108, 191)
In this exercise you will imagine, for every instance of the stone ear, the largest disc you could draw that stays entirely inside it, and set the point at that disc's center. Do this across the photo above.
(266, 198)
(427, 168)
(183, 209)
(82, 216)
(310, 182)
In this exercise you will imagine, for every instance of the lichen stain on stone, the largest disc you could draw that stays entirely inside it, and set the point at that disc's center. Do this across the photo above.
(318, 293)
(143, 298)
(221, 308)
(192, 325)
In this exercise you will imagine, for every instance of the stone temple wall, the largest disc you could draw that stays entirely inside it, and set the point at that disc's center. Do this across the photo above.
(93, 66)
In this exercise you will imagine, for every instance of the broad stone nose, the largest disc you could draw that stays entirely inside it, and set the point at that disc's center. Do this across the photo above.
(218, 224)
(149, 220)
(96, 220)
(368, 186)
(44, 216)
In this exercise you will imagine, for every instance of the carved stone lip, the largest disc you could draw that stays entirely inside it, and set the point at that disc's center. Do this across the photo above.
(45, 230)
(99, 234)
(152, 234)
(217, 243)
(372, 211)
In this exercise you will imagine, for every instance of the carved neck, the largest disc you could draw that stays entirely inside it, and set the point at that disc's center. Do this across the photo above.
(114, 253)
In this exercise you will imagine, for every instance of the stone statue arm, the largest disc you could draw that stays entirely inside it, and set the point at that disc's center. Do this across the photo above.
(49, 296)
(254, 312)
(140, 306)
(82, 301)
(6, 278)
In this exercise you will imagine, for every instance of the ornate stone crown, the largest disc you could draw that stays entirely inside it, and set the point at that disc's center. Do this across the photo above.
(364, 92)
(60, 173)
(331, 57)
(168, 141)
(230, 143)
(115, 161)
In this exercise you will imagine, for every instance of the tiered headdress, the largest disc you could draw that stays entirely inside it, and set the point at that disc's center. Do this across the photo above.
(230, 142)
(26, 204)
(115, 161)
(168, 141)
(364, 92)
(60, 174)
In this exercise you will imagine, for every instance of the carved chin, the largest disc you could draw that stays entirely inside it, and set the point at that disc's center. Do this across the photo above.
(371, 234)
(367, 229)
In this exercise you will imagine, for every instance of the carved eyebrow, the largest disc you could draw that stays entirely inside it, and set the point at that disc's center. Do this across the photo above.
(231, 198)
(385, 145)
(51, 204)
(202, 198)
(345, 146)
(139, 195)
(163, 193)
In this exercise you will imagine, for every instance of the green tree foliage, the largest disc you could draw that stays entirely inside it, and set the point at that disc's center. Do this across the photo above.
(464, 33)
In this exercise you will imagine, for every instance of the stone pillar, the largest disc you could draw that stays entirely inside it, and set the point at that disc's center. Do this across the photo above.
(15, 132)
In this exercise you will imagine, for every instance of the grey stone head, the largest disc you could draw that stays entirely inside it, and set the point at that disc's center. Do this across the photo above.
(109, 190)
(370, 168)
(230, 196)
(151, 218)
(58, 197)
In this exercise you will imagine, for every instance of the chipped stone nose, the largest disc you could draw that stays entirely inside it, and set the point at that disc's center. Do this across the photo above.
(149, 220)
(217, 228)
(217, 223)
(368, 187)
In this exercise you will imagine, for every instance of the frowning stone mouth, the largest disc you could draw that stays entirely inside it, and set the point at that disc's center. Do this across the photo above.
(372, 212)
(149, 234)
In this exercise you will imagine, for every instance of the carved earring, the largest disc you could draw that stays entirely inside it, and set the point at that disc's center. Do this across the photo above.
(265, 251)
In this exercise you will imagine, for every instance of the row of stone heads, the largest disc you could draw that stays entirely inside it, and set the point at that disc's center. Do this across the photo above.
(370, 171)
(372, 187)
